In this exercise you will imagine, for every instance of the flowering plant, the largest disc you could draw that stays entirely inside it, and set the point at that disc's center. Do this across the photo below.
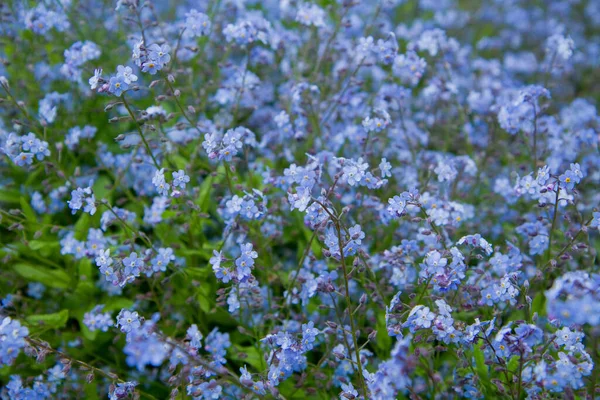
(299, 199)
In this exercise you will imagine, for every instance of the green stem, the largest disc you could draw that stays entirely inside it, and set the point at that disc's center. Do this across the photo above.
(16, 103)
(137, 125)
(349, 305)
(549, 251)
(568, 245)
(343, 91)
(188, 119)
(226, 165)
(534, 161)
(520, 384)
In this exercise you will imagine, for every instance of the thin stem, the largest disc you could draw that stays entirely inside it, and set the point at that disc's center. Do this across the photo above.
(330, 41)
(141, 25)
(341, 322)
(549, 251)
(348, 301)
(342, 92)
(297, 271)
(534, 161)
(338, 229)
(226, 165)
(125, 224)
(424, 290)
(188, 119)
(41, 345)
(241, 89)
(137, 125)
(568, 245)
(432, 224)
(549, 70)
(16, 103)
(176, 49)
(502, 363)
(520, 384)
(308, 246)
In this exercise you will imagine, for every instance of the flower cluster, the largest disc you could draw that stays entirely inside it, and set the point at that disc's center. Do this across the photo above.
(24, 150)
(12, 340)
(299, 199)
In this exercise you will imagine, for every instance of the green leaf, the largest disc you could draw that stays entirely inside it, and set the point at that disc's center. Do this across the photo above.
(82, 226)
(51, 321)
(196, 273)
(307, 233)
(91, 391)
(36, 245)
(9, 49)
(117, 303)
(83, 294)
(85, 269)
(10, 196)
(55, 278)
(204, 298)
(28, 211)
(89, 335)
(248, 355)
(28, 35)
(99, 188)
(513, 363)
(482, 370)
(382, 340)
(206, 254)
(179, 161)
(5, 371)
(79, 315)
(539, 304)
(205, 191)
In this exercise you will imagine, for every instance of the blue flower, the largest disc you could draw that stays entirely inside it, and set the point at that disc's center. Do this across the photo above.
(121, 390)
(82, 198)
(162, 187)
(244, 265)
(595, 223)
(180, 179)
(151, 66)
(94, 81)
(420, 317)
(385, 168)
(197, 23)
(117, 85)
(309, 334)
(97, 320)
(133, 265)
(159, 54)
(195, 336)
(311, 14)
(36, 290)
(127, 74)
(348, 392)
(568, 180)
(12, 340)
(128, 321)
(23, 159)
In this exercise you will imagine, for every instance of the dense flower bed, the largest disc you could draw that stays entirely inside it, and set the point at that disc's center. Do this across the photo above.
(291, 199)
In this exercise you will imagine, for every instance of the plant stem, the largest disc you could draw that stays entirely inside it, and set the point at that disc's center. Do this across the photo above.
(520, 376)
(549, 251)
(534, 161)
(137, 125)
(564, 249)
(348, 305)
